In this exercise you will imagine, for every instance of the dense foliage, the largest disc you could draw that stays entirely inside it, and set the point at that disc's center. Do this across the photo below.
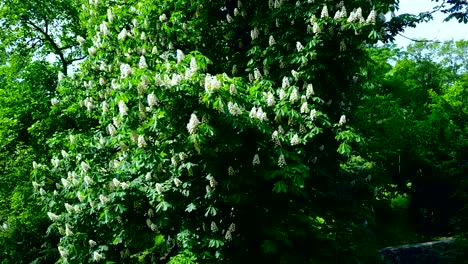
(225, 131)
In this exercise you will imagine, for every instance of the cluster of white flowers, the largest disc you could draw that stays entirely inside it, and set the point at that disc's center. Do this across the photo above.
(258, 114)
(123, 109)
(372, 18)
(97, 257)
(342, 120)
(53, 216)
(304, 108)
(294, 97)
(281, 161)
(88, 180)
(92, 51)
(104, 29)
(80, 40)
(313, 114)
(254, 33)
(88, 103)
(180, 56)
(324, 13)
(214, 227)
(275, 138)
(285, 83)
(234, 109)
(162, 17)
(257, 74)
(65, 183)
(142, 63)
(193, 124)
(356, 15)
(159, 188)
(123, 34)
(299, 46)
(270, 99)
(141, 141)
(256, 160)
(271, 41)
(177, 182)
(309, 90)
(212, 83)
(92, 243)
(295, 140)
(103, 199)
(125, 70)
(316, 28)
(63, 252)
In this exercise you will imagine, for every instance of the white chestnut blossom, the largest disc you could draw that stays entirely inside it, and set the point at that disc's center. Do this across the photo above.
(152, 100)
(234, 109)
(299, 46)
(254, 33)
(304, 108)
(84, 166)
(271, 41)
(177, 182)
(110, 15)
(309, 90)
(103, 199)
(313, 114)
(257, 74)
(342, 120)
(92, 243)
(229, 18)
(97, 257)
(65, 183)
(295, 140)
(141, 141)
(270, 99)
(63, 252)
(162, 17)
(193, 124)
(316, 28)
(69, 208)
(285, 82)
(324, 13)
(294, 73)
(282, 94)
(372, 17)
(142, 63)
(88, 180)
(180, 56)
(53, 216)
(125, 70)
(123, 109)
(111, 129)
(212, 83)
(54, 101)
(256, 160)
(294, 96)
(281, 161)
(159, 188)
(232, 89)
(92, 51)
(80, 40)
(123, 34)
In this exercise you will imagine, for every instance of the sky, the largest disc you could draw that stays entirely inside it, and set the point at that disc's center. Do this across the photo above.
(436, 29)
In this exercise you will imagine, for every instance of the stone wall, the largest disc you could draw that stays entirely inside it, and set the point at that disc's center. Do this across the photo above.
(435, 252)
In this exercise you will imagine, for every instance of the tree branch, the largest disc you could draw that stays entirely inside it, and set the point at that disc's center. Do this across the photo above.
(419, 40)
(54, 45)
